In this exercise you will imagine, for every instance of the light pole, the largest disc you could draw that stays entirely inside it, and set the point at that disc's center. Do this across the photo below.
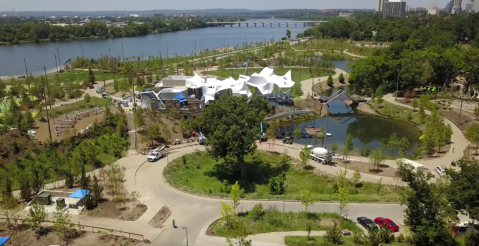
(284, 196)
(123, 52)
(26, 73)
(397, 85)
(59, 63)
(46, 108)
(56, 65)
(83, 55)
(186, 234)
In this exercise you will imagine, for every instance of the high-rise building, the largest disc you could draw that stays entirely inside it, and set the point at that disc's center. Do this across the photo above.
(394, 9)
(448, 8)
(457, 7)
(381, 4)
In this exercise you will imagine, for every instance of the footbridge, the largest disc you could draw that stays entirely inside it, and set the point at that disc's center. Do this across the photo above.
(338, 96)
(288, 114)
(264, 23)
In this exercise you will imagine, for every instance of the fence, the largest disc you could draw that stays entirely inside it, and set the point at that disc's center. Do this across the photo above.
(79, 226)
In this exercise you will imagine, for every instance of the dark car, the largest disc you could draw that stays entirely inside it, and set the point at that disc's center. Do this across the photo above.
(387, 223)
(367, 223)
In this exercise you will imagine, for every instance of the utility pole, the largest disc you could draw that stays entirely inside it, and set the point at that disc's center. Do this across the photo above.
(46, 108)
(59, 63)
(397, 86)
(56, 65)
(123, 52)
(26, 73)
(460, 110)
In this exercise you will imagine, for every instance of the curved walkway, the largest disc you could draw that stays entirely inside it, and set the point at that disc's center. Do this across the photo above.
(306, 85)
(263, 239)
(353, 55)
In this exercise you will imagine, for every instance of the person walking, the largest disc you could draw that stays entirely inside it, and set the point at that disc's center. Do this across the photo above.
(453, 149)
(173, 222)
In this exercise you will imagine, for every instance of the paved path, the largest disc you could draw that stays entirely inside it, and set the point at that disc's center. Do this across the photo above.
(306, 85)
(263, 239)
(353, 55)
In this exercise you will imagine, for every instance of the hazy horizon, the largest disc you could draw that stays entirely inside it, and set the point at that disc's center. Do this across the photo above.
(144, 5)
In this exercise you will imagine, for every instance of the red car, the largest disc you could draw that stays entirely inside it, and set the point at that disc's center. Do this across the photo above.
(387, 223)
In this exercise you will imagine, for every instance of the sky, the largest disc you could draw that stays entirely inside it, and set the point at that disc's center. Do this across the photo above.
(92, 5)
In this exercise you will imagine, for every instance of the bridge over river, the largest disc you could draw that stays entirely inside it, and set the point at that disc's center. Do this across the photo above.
(262, 23)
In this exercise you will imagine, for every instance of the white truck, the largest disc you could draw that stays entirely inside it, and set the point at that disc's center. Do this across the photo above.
(415, 166)
(320, 155)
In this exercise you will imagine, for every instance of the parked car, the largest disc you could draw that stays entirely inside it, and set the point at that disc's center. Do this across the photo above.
(387, 223)
(154, 156)
(367, 223)
(441, 170)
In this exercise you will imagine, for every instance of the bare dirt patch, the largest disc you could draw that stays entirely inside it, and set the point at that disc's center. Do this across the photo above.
(160, 217)
(384, 170)
(329, 222)
(117, 210)
(23, 236)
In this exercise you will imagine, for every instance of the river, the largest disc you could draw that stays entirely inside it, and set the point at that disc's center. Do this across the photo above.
(366, 130)
(40, 55)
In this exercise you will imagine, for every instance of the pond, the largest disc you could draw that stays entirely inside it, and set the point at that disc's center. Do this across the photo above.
(366, 130)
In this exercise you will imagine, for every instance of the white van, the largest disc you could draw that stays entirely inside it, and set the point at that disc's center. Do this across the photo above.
(416, 166)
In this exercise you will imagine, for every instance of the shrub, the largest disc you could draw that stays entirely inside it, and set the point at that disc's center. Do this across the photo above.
(329, 82)
(358, 238)
(276, 185)
(386, 236)
(341, 78)
(257, 212)
(365, 151)
(226, 188)
(400, 238)
(333, 234)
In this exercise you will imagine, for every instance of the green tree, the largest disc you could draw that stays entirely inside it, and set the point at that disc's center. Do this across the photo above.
(91, 76)
(84, 179)
(356, 177)
(36, 215)
(329, 82)
(87, 98)
(228, 213)
(115, 179)
(240, 232)
(334, 147)
(426, 208)
(343, 196)
(377, 157)
(288, 33)
(27, 122)
(422, 113)
(394, 143)
(297, 133)
(231, 126)
(307, 199)
(379, 92)
(139, 118)
(61, 222)
(414, 104)
(304, 155)
(235, 195)
(341, 78)
(472, 134)
(349, 146)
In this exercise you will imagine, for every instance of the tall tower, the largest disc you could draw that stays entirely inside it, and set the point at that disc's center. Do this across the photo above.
(381, 5)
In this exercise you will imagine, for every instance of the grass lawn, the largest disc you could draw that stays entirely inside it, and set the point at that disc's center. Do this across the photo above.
(295, 73)
(203, 175)
(273, 220)
(319, 241)
(399, 112)
(68, 108)
(81, 75)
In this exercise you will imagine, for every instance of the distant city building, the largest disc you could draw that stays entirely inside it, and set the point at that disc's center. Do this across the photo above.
(381, 5)
(475, 6)
(469, 6)
(394, 9)
(420, 9)
(134, 15)
(328, 11)
(457, 7)
(346, 15)
(432, 9)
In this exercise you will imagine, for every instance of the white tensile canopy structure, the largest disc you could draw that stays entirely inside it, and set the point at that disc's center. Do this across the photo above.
(265, 82)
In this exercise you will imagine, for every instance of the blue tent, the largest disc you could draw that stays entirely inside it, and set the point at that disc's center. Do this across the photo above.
(80, 194)
(180, 97)
(3, 240)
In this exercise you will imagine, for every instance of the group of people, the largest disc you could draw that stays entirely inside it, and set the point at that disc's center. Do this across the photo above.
(67, 121)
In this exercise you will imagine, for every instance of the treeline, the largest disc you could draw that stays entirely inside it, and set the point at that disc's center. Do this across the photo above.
(24, 32)
(27, 165)
(415, 28)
